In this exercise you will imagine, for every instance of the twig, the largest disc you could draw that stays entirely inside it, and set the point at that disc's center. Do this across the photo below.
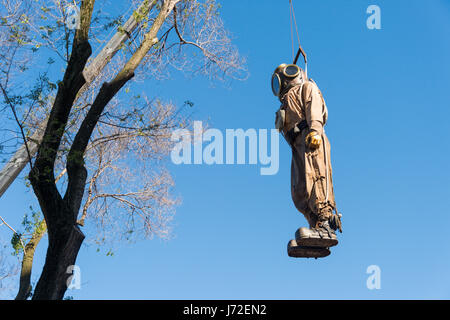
(8, 101)
(214, 58)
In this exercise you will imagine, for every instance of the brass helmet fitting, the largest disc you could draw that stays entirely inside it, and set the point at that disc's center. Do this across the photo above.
(283, 77)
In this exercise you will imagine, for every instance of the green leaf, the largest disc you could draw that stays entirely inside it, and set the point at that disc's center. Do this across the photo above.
(15, 242)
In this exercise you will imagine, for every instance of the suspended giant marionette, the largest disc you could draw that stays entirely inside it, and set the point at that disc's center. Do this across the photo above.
(301, 120)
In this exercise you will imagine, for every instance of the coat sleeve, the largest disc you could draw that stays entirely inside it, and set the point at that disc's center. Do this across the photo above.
(313, 107)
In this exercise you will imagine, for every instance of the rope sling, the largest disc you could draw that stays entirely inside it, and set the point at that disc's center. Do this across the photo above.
(293, 24)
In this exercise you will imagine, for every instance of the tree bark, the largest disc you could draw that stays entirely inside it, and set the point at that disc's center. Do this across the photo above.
(61, 254)
(65, 238)
(27, 262)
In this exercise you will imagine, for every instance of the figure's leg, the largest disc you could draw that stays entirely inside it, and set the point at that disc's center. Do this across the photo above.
(320, 200)
(298, 183)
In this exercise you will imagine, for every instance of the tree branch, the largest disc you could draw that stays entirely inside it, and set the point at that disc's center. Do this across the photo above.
(13, 109)
(75, 161)
(42, 174)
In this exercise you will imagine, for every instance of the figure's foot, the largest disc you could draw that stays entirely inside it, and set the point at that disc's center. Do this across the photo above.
(296, 251)
(322, 236)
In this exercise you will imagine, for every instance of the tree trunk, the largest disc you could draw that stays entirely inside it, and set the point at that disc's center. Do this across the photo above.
(61, 254)
(64, 236)
(27, 262)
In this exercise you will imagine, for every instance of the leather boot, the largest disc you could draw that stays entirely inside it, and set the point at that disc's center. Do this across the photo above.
(296, 251)
(321, 236)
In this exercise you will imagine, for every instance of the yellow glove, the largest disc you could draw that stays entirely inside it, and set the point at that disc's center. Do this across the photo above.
(313, 140)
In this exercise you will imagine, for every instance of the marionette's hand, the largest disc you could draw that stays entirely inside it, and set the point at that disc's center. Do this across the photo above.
(313, 140)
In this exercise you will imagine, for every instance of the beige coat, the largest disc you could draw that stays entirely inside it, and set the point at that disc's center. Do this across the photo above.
(311, 174)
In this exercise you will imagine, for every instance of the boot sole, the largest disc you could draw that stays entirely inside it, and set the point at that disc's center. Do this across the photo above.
(315, 242)
(296, 251)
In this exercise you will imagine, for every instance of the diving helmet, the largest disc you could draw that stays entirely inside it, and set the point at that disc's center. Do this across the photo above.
(285, 77)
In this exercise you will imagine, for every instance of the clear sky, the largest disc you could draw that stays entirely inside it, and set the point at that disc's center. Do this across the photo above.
(387, 92)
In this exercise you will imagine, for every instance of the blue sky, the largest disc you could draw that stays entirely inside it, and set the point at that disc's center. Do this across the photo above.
(387, 93)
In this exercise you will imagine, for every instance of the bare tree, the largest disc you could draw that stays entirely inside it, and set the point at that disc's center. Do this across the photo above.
(103, 144)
